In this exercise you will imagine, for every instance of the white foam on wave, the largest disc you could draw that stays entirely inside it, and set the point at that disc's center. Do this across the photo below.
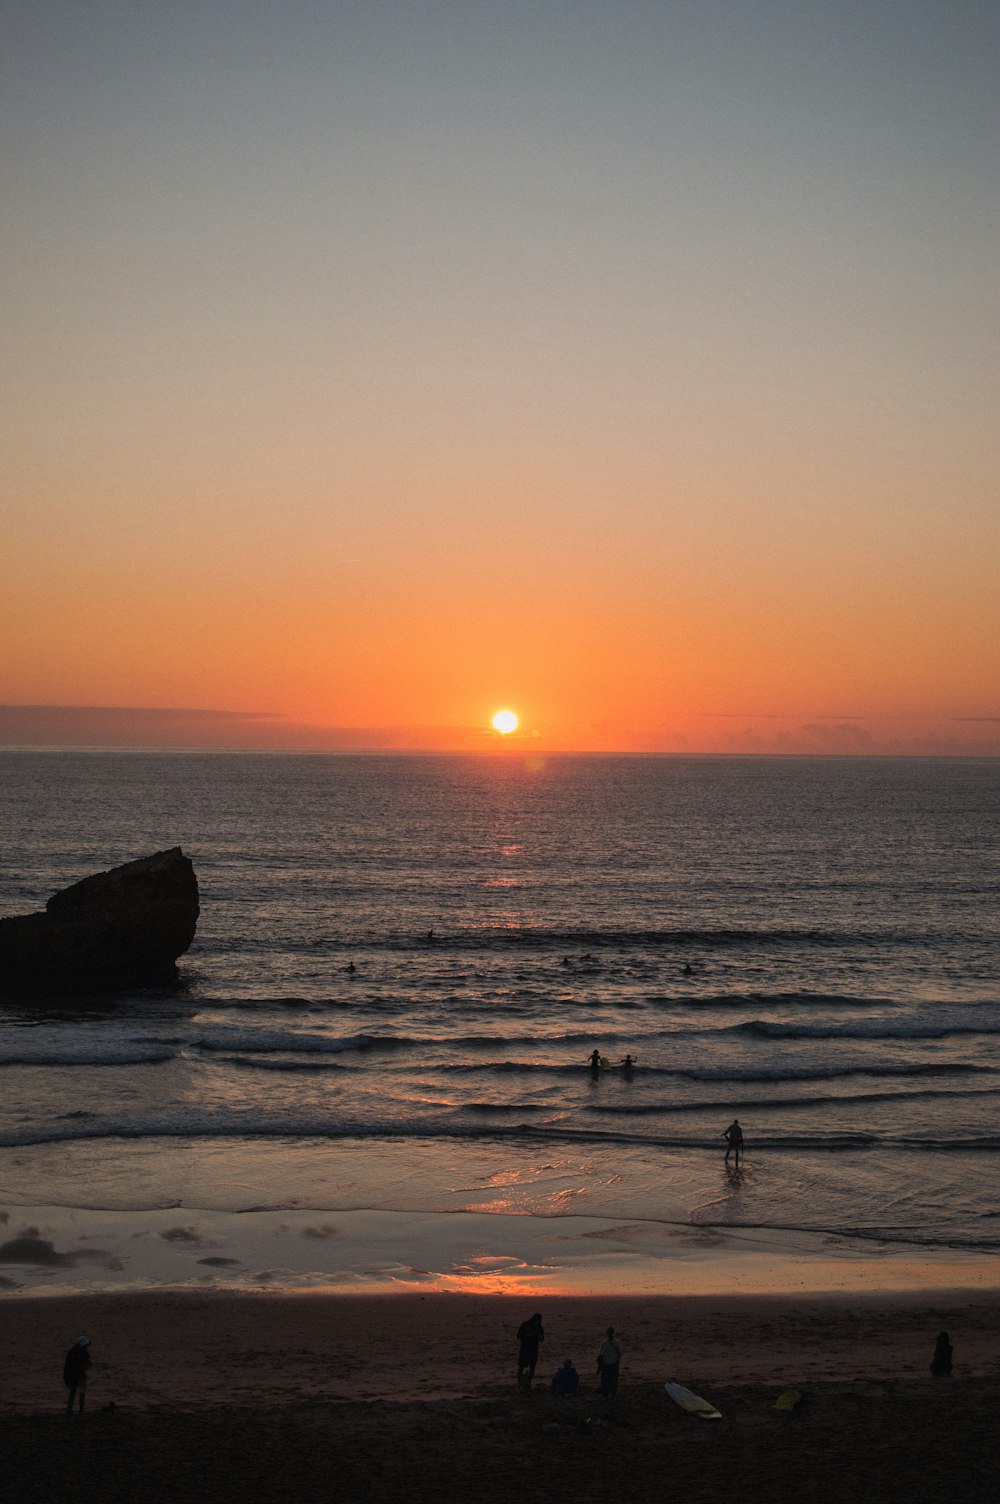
(89, 1054)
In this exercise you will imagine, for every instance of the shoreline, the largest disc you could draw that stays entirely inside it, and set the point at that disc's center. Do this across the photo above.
(60, 1251)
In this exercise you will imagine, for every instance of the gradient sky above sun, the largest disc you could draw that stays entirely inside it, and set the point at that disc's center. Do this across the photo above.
(373, 366)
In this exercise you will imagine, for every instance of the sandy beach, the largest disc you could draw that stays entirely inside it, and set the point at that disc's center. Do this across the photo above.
(413, 1396)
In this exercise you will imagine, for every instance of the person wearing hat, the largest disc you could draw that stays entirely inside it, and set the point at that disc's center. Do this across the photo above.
(75, 1372)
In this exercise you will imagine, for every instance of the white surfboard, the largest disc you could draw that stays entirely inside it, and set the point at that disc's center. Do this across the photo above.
(692, 1403)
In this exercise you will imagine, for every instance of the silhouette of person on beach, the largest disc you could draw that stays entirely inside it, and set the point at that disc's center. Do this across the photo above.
(608, 1358)
(733, 1136)
(529, 1335)
(595, 1061)
(943, 1353)
(565, 1380)
(75, 1367)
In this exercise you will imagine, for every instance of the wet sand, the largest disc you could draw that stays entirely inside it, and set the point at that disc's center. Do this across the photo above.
(222, 1397)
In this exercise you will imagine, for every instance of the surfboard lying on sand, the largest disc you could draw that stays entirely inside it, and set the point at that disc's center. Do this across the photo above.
(786, 1402)
(692, 1403)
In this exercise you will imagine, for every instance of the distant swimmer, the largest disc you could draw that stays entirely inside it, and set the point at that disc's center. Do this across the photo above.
(688, 969)
(733, 1136)
(595, 1061)
(430, 937)
(628, 1061)
(352, 967)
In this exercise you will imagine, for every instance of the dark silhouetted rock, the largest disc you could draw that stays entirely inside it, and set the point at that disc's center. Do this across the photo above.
(123, 928)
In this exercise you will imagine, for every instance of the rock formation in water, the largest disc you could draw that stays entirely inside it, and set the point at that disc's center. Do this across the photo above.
(123, 928)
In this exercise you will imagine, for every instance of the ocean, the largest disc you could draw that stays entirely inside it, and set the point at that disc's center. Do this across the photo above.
(373, 1073)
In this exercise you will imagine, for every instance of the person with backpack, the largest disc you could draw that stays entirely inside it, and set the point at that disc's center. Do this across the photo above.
(75, 1367)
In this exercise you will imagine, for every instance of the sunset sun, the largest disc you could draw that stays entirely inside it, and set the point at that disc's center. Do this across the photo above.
(505, 721)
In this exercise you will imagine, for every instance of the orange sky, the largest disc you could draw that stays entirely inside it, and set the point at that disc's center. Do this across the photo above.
(372, 374)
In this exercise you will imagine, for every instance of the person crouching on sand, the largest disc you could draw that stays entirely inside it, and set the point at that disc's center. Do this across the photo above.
(565, 1380)
(75, 1372)
(529, 1335)
(733, 1136)
(608, 1359)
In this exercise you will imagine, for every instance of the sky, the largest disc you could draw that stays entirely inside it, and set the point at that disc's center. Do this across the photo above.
(370, 366)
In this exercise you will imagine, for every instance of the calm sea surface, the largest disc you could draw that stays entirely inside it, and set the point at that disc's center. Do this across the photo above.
(504, 917)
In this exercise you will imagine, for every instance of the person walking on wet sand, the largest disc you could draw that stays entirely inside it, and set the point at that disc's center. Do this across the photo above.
(75, 1372)
(608, 1358)
(529, 1335)
(733, 1136)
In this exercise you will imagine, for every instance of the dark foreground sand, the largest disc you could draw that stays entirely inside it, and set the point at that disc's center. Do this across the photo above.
(234, 1398)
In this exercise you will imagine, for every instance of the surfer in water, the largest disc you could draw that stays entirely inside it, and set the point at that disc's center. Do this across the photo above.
(733, 1136)
(627, 1062)
(595, 1061)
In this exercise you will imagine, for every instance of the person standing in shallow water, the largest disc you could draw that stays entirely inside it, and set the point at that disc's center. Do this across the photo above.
(733, 1136)
(529, 1335)
(75, 1372)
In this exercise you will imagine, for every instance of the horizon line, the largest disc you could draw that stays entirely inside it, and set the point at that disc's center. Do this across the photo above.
(497, 750)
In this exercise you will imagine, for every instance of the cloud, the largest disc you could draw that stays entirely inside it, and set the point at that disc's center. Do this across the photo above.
(232, 730)
(220, 1263)
(840, 736)
(127, 726)
(322, 1230)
